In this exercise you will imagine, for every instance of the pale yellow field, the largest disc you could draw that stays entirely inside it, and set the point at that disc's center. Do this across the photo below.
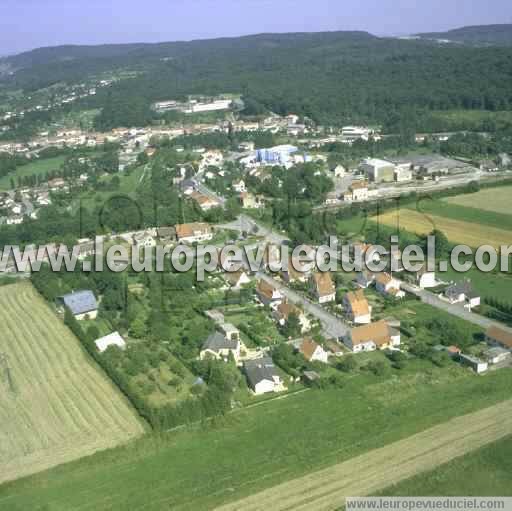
(326, 490)
(55, 405)
(498, 200)
(457, 231)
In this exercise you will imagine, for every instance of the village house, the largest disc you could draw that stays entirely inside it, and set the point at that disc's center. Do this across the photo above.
(331, 199)
(144, 239)
(500, 337)
(193, 233)
(113, 339)
(365, 278)
(82, 304)
(425, 279)
(204, 202)
(463, 292)
(323, 287)
(268, 294)
(237, 279)
(86, 248)
(338, 171)
(496, 355)
(371, 337)
(263, 376)
(388, 286)
(239, 186)
(166, 235)
(479, 366)
(313, 352)
(291, 275)
(230, 331)
(251, 201)
(219, 347)
(357, 192)
(357, 308)
(283, 312)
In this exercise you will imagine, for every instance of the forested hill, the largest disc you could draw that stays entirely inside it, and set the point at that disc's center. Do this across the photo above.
(333, 77)
(498, 35)
(136, 52)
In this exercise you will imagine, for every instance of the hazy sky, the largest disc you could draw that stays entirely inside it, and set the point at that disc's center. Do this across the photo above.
(26, 24)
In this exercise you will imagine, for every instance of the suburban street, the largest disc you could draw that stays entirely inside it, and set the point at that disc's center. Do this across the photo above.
(454, 309)
(332, 326)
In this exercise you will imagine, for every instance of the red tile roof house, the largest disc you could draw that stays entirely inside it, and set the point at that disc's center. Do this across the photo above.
(375, 336)
(268, 294)
(357, 308)
(313, 352)
(389, 286)
(323, 287)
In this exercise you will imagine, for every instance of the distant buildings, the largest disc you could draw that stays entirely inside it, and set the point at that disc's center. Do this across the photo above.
(278, 155)
(463, 292)
(194, 232)
(378, 171)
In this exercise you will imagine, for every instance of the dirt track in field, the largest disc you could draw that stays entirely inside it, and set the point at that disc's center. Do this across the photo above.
(366, 474)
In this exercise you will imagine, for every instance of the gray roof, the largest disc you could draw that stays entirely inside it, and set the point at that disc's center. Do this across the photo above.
(80, 302)
(463, 287)
(259, 370)
(216, 342)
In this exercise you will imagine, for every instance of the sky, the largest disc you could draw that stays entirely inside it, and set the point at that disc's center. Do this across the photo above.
(27, 24)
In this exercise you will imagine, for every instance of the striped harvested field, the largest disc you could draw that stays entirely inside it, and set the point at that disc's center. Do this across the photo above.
(457, 231)
(55, 404)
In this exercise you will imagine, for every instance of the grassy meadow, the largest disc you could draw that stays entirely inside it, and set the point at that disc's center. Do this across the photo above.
(35, 167)
(255, 448)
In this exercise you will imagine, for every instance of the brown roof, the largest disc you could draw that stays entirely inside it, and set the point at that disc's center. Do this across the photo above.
(265, 289)
(504, 337)
(308, 348)
(384, 278)
(358, 303)
(358, 185)
(377, 332)
(323, 283)
(285, 309)
(187, 230)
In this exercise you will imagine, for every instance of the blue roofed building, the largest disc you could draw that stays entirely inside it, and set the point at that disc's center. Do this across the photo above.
(82, 304)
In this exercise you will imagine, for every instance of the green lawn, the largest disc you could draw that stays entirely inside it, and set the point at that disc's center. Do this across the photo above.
(259, 447)
(485, 472)
(33, 168)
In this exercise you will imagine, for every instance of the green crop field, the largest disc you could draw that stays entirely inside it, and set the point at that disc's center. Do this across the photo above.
(485, 472)
(259, 447)
(495, 200)
(34, 168)
(55, 404)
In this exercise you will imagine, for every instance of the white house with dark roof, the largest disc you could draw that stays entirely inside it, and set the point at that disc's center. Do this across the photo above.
(463, 292)
(82, 304)
(218, 346)
(262, 376)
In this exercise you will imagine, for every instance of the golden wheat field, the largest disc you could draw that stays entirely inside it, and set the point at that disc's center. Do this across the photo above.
(457, 231)
(55, 404)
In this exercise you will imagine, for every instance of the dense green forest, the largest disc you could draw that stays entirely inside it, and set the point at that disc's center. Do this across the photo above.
(333, 78)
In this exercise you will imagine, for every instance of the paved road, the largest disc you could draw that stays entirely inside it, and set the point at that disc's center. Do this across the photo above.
(453, 309)
(333, 327)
